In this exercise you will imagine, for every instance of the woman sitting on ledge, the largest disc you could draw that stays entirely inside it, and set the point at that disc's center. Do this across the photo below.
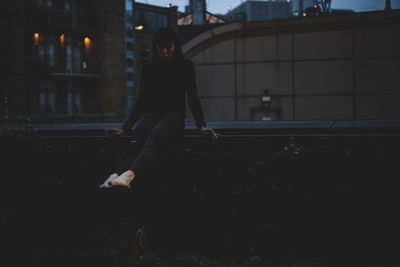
(159, 113)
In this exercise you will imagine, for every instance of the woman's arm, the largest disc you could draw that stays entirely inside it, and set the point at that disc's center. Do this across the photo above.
(193, 98)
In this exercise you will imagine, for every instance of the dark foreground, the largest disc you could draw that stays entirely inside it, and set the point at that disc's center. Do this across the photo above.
(284, 199)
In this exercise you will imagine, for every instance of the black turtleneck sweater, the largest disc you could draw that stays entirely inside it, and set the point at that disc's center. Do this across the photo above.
(163, 90)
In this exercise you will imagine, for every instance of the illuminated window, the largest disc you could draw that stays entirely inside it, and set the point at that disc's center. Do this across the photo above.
(62, 39)
(36, 38)
(87, 44)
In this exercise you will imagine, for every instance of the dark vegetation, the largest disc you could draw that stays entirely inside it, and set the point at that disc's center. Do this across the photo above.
(282, 200)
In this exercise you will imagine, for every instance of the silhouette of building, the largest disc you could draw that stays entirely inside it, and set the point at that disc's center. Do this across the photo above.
(64, 59)
(130, 70)
(299, 7)
(260, 10)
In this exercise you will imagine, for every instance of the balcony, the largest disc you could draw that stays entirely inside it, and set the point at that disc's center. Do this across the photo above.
(321, 191)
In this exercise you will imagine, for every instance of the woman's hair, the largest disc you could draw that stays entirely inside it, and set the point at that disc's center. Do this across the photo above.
(163, 37)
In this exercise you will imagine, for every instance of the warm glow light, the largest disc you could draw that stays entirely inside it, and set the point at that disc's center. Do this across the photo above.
(36, 38)
(139, 27)
(62, 39)
(229, 8)
(87, 42)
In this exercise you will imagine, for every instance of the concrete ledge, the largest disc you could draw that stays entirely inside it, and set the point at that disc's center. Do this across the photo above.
(247, 128)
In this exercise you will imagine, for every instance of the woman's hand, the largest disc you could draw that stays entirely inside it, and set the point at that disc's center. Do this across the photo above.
(115, 131)
(214, 134)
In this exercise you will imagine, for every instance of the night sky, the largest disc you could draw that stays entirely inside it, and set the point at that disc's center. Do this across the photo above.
(220, 6)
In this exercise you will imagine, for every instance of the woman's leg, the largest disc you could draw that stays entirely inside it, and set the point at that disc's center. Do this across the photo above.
(140, 130)
(167, 129)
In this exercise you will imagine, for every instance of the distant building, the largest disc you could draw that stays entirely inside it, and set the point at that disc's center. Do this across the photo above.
(198, 10)
(196, 20)
(64, 59)
(130, 70)
(196, 14)
(187, 19)
(299, 7)
(260, 10)
(147, 20)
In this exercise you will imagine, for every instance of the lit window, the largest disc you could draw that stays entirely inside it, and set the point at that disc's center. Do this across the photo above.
(87, 43)
(36, 38)
(62, 40)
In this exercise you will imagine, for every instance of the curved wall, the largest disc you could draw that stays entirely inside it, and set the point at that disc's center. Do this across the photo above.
(321, 68)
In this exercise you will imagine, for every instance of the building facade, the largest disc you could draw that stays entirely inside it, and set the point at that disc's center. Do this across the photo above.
(260, 10)
(130, 70)
(64, 59)
(299, 7)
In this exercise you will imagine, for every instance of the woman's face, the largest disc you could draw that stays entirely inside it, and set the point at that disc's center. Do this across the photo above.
(166, 52)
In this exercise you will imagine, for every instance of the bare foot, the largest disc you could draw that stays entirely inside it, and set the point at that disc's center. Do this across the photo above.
(124, 179)
(108, 182)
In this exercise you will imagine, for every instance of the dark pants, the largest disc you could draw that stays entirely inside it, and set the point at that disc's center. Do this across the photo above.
(152, 133)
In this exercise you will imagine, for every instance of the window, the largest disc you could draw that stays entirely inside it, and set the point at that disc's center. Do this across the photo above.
(74, 103)
(129, 62)
(47, 98)
(69, 55)
(68, 5)
(49, 3)
(129, 46)
(129, 32)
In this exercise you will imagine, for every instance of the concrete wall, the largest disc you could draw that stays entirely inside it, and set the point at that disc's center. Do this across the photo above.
(112, 49)
(342, 67)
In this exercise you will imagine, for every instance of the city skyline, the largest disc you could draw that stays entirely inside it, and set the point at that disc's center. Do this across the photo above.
(221, 6)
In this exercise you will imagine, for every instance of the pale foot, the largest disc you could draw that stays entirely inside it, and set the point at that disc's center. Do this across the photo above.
(124, 179)
(108, 182)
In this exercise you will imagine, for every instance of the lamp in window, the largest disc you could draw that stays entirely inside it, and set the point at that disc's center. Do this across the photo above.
(36, 38)
(62, 39)
(87, 42)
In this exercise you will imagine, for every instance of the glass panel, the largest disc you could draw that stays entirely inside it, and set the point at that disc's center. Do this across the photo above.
(42, 102)
(52, 54)
(49, 3)
(76, 68)
(68, 4)
(69, 103)
(78, 103)
(52, 102)
(69, 56)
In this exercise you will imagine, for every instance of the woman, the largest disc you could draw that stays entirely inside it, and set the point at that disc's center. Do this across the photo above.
(159, 113)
